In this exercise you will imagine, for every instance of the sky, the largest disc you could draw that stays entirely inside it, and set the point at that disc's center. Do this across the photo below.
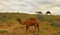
(30, 6)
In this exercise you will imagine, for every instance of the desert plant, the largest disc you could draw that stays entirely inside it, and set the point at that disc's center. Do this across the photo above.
(55, 23)
(3, 31)
(3, 18)
(58, 31)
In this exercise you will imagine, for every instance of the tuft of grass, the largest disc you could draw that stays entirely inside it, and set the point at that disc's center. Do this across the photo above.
(46, 27)
(3, 31)
(40, 32)
(58, 32)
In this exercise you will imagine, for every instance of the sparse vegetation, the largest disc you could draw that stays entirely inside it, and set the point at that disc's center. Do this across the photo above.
(8, 21)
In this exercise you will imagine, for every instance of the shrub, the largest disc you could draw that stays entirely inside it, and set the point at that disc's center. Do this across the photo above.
(58, 31)
(3, 31)
(55, 23)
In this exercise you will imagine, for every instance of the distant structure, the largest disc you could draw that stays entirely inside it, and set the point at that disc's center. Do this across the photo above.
(39, 13)
(48, 13)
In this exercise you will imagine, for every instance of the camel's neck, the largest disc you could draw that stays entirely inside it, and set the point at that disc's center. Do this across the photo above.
(22, 22)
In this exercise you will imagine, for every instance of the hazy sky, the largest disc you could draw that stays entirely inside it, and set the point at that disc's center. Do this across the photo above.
(30, 6)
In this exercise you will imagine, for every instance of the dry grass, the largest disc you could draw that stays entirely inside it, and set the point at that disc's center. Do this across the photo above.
(9, 25)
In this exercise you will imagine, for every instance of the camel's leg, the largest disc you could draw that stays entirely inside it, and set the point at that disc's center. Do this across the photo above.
(35, 27)
(26, 28)
(38, 27)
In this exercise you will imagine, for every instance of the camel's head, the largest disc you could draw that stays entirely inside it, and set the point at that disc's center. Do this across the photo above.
(19, 20)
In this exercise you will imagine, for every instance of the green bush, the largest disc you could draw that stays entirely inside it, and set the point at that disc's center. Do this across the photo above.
(3, 31)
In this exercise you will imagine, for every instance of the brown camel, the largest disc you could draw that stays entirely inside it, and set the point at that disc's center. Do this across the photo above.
(29, 22)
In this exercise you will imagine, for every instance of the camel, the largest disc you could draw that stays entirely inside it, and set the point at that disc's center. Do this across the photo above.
(29, 22)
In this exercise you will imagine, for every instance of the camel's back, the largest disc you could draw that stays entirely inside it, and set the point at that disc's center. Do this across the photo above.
(31, 22)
